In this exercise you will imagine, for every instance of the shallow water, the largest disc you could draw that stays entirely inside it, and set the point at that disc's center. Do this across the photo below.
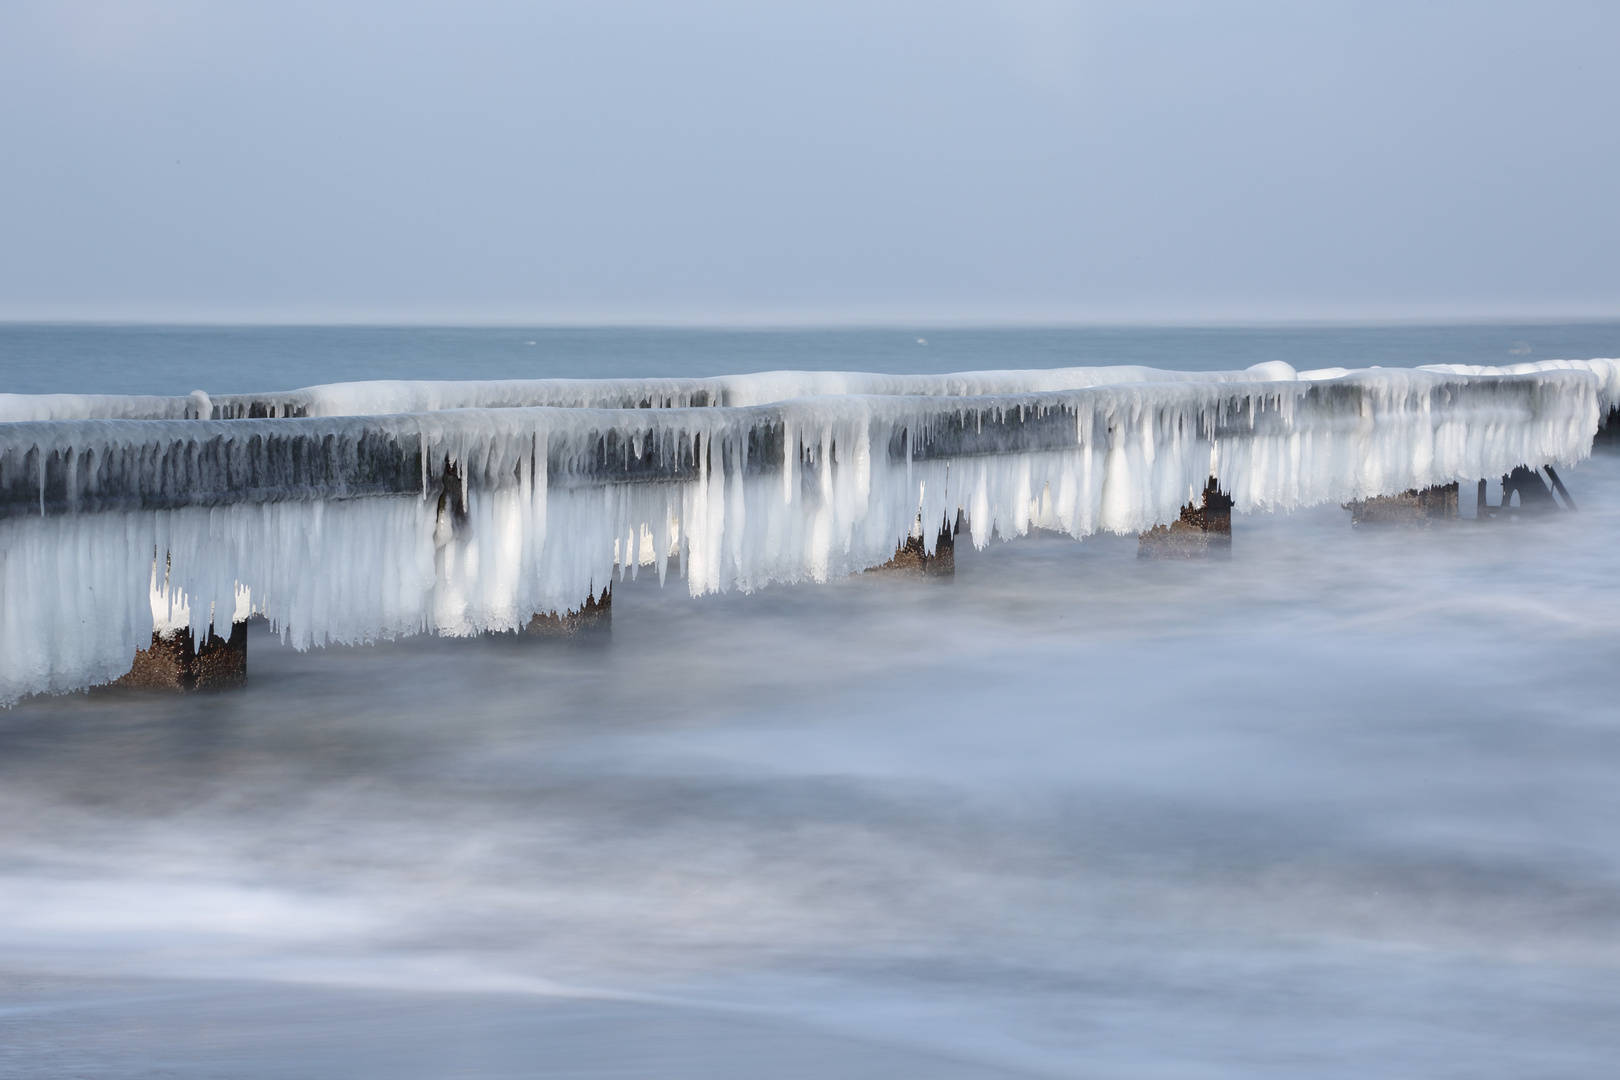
(1342, 805)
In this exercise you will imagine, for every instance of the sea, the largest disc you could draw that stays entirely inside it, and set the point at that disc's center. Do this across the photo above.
(1346, 804)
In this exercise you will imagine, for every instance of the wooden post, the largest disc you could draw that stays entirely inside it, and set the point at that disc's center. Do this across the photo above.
(174, 662)
(1408, 509)
(594, 618)
(1204, 529)
(1534, 494)
(1535, 497)
(1558, 486)
(911, 557)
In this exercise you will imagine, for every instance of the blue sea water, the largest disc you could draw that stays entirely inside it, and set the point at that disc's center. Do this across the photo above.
(1340, 806)
(111, 359)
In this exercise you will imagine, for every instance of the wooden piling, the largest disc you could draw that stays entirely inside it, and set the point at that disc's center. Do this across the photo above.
(1204, 529)
(594, 618)
(175, 662)
(1558, 486)
(1413, 508)
(911, 557)
(1536, 497)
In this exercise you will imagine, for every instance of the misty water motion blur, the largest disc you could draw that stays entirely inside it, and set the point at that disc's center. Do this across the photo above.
(1339, 805)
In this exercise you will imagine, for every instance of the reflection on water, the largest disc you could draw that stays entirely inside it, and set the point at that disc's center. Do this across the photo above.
(1341, 806)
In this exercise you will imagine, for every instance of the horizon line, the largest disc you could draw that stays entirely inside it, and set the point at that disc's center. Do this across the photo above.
(896, 322)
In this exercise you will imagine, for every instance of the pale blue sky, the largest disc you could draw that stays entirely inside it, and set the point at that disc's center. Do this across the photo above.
(757, 162)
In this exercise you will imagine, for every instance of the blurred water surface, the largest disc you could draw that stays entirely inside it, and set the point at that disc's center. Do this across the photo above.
(1341, 806)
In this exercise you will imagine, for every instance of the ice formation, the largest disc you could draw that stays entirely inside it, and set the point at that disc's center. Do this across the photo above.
(384, 397)
(456, 520)
(1607, 373)
(16, 408)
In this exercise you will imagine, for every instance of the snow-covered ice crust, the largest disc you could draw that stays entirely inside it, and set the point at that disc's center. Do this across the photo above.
(17, 408)
(384, 397)
(354, 528)
(1607, 372)
(375, 398)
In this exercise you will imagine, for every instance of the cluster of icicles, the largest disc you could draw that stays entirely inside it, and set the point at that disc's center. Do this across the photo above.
(521, 504)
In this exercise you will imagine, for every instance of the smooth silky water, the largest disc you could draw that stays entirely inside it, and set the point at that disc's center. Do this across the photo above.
(1342, 805)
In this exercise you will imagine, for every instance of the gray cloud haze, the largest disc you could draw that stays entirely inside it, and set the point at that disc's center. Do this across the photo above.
(808, 162)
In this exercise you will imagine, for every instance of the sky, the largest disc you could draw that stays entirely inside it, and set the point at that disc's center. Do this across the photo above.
(826, 162)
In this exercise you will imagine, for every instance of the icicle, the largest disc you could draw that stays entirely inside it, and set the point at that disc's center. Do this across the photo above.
(331, 527)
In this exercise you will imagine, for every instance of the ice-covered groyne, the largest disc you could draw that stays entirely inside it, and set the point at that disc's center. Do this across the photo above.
(384, 397)
(458, 520)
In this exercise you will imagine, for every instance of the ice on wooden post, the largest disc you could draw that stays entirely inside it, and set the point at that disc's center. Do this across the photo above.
(353, 529)
(914, 558)
(175, 660)
(1204, 528)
